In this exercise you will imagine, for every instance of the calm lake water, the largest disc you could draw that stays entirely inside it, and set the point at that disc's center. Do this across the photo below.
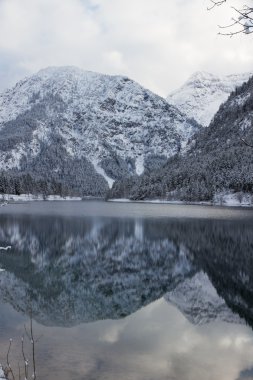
(128, 291)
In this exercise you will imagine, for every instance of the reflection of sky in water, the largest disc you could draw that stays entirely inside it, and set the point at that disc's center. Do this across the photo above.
(157, 342)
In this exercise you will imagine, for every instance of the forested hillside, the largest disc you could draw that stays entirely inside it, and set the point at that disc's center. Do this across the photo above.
(65, 131)
(217, 160)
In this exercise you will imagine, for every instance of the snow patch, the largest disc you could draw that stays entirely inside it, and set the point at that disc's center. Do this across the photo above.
(139, 164)
(101, 171)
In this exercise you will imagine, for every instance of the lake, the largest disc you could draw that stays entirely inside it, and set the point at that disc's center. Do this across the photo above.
(128, 291)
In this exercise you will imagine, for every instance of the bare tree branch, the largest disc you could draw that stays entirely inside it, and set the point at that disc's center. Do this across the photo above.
(9, 369)
(32, 341)
(215, 4)
(25, 359)
(244, 19)
(246, 143)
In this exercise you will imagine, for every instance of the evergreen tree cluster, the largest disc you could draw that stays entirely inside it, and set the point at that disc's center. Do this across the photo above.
(53, 172)
(26, 184)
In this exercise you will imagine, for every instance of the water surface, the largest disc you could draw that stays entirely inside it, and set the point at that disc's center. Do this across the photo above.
(129, 291)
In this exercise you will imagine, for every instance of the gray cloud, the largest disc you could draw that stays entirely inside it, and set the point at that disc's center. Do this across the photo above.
(159, 43)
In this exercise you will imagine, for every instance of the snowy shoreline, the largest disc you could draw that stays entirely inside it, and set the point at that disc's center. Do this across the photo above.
(227, 200)
(222, 199)
(182, 203)
(9, 198)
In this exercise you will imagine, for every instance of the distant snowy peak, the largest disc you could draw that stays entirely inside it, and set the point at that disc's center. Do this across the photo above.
(201, 96)
(198, 300)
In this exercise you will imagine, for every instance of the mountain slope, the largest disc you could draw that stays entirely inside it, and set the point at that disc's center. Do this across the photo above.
(201, 96)
(87, 126)
(198, 300)
(217, 161)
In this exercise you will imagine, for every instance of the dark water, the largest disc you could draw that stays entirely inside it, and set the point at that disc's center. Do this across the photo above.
(129, 291)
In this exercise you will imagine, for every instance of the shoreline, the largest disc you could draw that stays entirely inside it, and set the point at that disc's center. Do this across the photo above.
(228, 201)
(13, 198)
(183, 203)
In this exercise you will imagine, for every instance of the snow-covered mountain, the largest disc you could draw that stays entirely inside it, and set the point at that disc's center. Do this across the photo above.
(68, 122)
(201, 96)
(198, 300)
(217, 162)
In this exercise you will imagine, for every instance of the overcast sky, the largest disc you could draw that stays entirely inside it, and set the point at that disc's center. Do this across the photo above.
(158, 43)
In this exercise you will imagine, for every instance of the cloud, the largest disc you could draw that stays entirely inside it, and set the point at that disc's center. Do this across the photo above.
(158, 43)
(156, 342)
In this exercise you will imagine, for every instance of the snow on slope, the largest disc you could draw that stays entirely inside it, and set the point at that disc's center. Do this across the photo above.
(201, 96)
(111, 121)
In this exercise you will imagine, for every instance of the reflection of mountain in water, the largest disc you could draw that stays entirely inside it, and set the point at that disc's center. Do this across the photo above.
(199, 302)
(223, 250)
(81, 270)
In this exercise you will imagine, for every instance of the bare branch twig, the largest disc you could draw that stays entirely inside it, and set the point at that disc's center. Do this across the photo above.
(9, 369)
(244, 19)
(246, 143)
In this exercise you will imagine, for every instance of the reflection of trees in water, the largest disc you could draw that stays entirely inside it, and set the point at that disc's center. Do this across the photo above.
(224, 250)
(76, 270)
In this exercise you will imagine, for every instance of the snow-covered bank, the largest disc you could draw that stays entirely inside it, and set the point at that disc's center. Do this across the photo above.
(40, 197)
(162, 201)
(220, 199)
(233, 199)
